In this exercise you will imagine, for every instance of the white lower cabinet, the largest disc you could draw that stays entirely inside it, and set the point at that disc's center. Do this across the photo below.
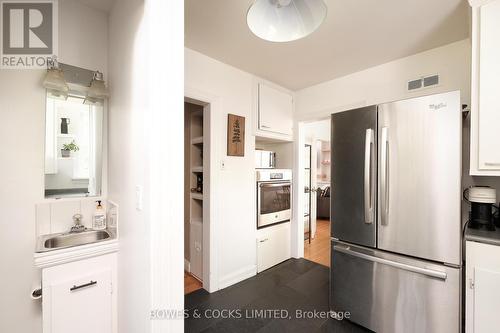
(273, 246)
(80, 296)
(482, 296)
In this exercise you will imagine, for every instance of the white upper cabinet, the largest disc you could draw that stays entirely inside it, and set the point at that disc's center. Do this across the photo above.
(275, 111)
(485, 108)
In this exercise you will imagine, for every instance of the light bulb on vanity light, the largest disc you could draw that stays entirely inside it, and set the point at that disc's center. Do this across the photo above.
(54, 81)
(97, 91)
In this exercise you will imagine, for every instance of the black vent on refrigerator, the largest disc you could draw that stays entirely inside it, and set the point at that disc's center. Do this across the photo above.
(431, 80)
(415, 84)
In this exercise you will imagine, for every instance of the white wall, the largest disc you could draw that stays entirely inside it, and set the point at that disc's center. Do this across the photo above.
(86, 30)
(21, 168)
(318, 130)
(22, 132)
(234, 186)
(145, 129)
(166, 21)
(387, 82)
(129, 161)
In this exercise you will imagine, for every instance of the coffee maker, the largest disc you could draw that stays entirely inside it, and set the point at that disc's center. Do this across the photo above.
(481, 215)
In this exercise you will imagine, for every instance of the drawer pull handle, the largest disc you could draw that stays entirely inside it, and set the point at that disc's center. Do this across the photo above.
(75, 287)
(264, 240)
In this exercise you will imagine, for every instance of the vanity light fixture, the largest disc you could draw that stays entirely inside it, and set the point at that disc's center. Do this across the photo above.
(285, 20)
(97, 91)
(54, 81)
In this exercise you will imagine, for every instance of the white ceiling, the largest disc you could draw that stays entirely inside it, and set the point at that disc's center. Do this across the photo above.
(103, 5)
(356, 34)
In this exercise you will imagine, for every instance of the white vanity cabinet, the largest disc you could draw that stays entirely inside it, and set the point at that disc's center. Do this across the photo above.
(485, 83)
(80, 296)
(482, 288)
(274, 112)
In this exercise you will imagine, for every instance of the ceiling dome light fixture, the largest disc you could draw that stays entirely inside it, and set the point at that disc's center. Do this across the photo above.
(285, 20)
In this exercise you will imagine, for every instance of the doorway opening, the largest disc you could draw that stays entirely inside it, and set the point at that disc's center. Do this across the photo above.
(317, 185)
(196, 185)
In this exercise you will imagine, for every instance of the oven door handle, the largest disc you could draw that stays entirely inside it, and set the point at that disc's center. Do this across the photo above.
(274, 184)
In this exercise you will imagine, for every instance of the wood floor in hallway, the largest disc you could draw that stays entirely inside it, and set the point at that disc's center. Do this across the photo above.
(319, 249)
(190, 283)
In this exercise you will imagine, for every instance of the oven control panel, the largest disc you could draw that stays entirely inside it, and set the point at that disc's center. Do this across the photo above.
(273, 175)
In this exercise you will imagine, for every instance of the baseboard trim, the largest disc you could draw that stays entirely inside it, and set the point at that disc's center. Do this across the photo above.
(187, 266)
(237, 276)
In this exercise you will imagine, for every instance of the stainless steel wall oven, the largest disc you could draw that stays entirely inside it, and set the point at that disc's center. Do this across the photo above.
(274, 197)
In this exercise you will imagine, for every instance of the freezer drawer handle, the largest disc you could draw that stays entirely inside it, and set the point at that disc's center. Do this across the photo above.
(368, 181)
(410, 268)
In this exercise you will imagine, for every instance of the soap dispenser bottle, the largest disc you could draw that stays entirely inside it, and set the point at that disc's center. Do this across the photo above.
(99, 218)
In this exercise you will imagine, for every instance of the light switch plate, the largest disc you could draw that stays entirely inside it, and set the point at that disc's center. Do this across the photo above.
(223, 165)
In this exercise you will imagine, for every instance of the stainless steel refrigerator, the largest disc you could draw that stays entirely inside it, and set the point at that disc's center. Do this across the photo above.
(396, 225)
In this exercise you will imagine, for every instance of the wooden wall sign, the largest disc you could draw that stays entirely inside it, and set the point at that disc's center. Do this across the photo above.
(235, 135)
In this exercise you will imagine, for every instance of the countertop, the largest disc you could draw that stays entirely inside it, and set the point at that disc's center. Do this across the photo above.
(483, 236)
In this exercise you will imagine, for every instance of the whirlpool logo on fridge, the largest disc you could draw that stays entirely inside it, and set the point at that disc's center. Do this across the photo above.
(29, 33)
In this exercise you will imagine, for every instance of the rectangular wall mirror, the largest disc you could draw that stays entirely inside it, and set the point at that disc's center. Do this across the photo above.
(73, 148)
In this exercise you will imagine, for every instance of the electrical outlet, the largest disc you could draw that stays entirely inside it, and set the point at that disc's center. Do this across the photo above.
(138, 198)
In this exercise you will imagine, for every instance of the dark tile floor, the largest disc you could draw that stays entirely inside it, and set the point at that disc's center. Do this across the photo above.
(296, 284)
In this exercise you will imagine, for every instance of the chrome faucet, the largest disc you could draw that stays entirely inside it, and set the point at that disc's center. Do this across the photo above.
(78, 226)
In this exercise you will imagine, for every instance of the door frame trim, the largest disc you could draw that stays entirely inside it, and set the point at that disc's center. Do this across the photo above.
(211, 107)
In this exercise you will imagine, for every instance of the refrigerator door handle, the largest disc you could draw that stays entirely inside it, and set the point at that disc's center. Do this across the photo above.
(272, 160)
(368, 181)
(424, 271)
(384, 176)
